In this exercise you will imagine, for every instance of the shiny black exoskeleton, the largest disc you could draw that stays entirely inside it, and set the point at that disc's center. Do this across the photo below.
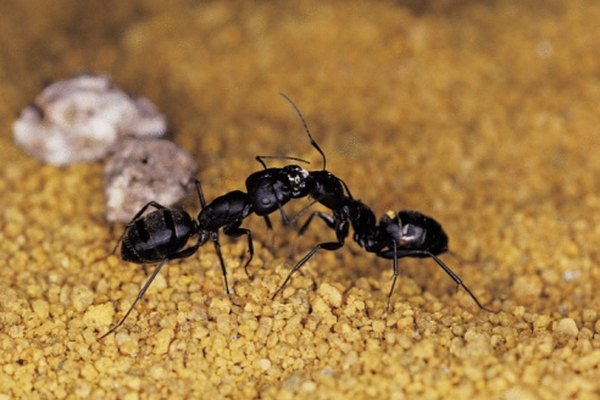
(162, 234)
(405, 234)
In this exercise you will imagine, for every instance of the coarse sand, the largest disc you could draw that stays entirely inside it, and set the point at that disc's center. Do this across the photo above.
(484, 115)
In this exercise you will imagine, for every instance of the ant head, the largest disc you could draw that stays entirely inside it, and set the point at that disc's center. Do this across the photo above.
(298, 179)
(413, 230)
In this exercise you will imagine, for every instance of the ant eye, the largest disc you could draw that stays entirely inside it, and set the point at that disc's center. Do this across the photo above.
(412, 234)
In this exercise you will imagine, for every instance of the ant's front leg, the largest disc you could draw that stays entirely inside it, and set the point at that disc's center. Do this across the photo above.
(328, 219)
(302, 211)
(341, 232)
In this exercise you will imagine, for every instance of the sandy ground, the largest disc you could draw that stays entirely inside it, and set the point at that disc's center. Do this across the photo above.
(483, 116)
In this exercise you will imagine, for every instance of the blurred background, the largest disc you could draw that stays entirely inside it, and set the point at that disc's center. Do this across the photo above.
(483, 115)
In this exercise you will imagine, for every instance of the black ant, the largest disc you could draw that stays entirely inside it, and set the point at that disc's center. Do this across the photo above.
(161, 235)
(405, 234)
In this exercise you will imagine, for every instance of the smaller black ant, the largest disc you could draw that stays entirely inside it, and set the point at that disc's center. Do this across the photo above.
(405, 234)
(161, 235)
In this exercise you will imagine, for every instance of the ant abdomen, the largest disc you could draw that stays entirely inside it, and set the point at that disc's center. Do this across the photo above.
(413, 230)
(155, 236)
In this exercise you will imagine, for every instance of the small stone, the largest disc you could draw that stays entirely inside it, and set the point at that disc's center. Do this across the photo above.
(82, 297)
(99, 316)
(80, 119)
(330, 294)
(320, 307)
(541, 322)
(264, 364)
(41, 308)
(308, 386)
(378, 326)
(126, 343)
(163, 340)
(144, 170)
(567, 327)
(527, 289)
(157, 372)
(588, 361)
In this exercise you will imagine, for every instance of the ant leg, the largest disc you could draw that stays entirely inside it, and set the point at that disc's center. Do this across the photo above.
(330, 246)
(261, 158)
(328, 219)
(186, 252)
(143, 209)
(447, 270)
(237, 232)
(217, 245)
(181, 254)
(285, 219)
(271, 233)
(302, 211)
(395, 276)
(137, 299)
(200, 193)
(458, 281)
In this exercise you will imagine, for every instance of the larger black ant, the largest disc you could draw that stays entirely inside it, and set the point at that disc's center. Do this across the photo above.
(405, 234)
(161, 235)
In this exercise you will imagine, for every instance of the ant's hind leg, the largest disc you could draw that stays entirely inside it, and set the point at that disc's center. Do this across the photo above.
(200, 193)
(137, 299)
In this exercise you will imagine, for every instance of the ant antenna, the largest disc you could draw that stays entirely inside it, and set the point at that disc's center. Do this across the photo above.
(200, 192)
(312, 140)
(261, 158)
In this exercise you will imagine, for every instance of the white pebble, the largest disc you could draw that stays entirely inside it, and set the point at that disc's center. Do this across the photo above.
(79, 119)
(144, 170)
